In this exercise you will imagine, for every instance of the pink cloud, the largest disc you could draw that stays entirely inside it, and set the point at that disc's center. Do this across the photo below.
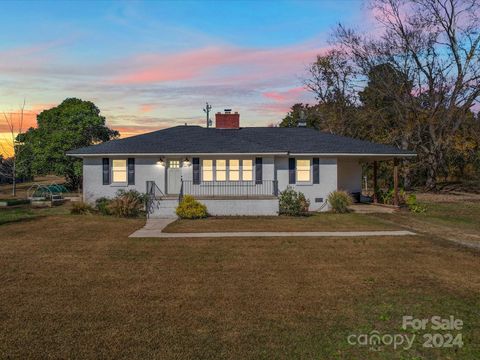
(146, 108)
(218, 63)
(283, 100)
(31, 49)
(30, 58)
(278, 109)
(29, 117)
(289, 95)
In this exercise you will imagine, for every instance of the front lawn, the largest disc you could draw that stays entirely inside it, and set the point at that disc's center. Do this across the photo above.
(316, 222)
(20, 213)
(464, 214)
(78, 287)
(452, 220)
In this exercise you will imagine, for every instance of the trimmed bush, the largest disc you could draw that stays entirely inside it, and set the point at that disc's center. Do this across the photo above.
(129, 203)
(339, 201)
(293, 203)
(102, 205)
(189, 208)
(81, 208)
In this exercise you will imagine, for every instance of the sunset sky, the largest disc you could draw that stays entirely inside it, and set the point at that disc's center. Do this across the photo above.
(150, 65)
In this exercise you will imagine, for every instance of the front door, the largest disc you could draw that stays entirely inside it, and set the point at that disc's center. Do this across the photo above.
(174, 174)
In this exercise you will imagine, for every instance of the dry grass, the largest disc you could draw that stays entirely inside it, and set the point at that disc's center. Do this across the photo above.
(454, 220)
(317, 222)
(77, 287)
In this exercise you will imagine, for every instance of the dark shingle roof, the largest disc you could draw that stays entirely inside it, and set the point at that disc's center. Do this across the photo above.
(255, 140)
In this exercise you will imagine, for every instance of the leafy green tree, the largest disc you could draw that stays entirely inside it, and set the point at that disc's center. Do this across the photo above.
(299, 111)
(72, 124)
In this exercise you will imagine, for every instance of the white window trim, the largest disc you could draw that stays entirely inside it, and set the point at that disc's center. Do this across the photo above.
(180, 164)
(310, 181)
(253, 170)
(238, 170)
(227, 170)
(212, 170)
(118, 183)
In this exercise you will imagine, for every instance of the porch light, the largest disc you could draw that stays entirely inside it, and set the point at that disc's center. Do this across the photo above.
(161, 162)
(186, 162)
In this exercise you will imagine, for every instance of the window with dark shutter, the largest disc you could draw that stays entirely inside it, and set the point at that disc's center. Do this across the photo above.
(196, 170)
(131, 171)
(106, 171)
(258, 170)
(291, 170)
(316, 170)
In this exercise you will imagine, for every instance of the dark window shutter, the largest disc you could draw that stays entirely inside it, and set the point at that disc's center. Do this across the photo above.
(106, 171)
(131, 171)
(258, 170)
(316, 170)
(196, 170)
(291, 170)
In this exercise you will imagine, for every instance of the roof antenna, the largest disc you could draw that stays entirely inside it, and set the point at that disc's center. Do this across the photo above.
(206, 110)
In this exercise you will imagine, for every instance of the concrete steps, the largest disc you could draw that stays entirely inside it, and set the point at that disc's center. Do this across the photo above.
(164, 209)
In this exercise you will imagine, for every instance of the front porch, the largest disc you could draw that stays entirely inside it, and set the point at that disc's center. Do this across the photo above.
(232, 198)
(230, 190)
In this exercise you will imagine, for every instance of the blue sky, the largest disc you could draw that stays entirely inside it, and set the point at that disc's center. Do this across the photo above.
(152, 64)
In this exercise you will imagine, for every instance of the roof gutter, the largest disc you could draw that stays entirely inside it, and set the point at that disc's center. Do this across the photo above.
(353, 154)
(175, 154)
(243, 154)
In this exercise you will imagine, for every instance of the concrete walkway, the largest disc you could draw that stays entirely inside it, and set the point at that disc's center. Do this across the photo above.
(153, 229)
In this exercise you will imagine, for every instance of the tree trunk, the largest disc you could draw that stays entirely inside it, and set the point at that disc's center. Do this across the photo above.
(396, 201)
(14, 179)
(432, 171)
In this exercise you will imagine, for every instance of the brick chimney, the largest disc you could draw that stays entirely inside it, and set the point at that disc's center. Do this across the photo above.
(227, 120)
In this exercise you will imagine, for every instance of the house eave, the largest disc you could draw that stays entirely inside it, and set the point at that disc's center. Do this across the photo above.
(354, 154)
(176, 154)
(390, 155)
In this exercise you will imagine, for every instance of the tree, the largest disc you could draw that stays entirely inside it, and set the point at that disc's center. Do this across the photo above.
(332, 79)
(434, 44)
(309, 114)
(383, 116)
(11, 148)
(72, 124)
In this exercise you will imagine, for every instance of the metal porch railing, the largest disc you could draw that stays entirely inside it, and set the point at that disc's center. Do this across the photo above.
(235, 189)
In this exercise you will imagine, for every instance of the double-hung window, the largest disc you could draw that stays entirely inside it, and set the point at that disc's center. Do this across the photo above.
(207, 170)
(119, 171)
(221, 170)
(217, 170)
(303, 170)
(234, 170)
(247, 170)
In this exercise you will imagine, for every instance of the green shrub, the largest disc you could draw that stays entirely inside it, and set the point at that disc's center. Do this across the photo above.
(129, 203)
(414, 206)
(293, 203)
(102, 205)
(189, 208)
(339, 201)
(387, 197)
(81, 208)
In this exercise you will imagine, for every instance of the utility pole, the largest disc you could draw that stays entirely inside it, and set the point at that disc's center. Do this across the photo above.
(207, 111)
